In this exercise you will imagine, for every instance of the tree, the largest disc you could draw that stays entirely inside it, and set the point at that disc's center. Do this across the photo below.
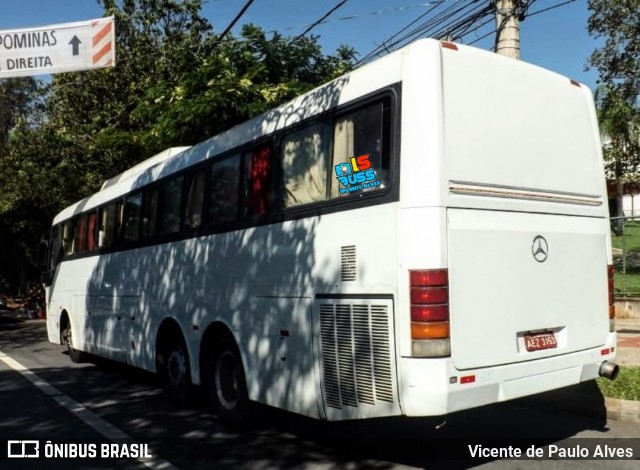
(620, 128)
(618, 60)
(175, 83)
(16, 99)
(618, 97)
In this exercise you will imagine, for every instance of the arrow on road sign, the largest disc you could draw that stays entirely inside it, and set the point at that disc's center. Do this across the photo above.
(75, 43)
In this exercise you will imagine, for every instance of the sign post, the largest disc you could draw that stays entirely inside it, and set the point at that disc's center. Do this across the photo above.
(66, 47)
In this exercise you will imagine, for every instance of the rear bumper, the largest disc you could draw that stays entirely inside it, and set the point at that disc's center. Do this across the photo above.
(431, 387)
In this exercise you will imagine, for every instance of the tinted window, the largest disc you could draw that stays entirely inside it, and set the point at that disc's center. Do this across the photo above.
(257, 177)
(106, 231)
(132, 217)
(91, 231)
(195, 199)
(81, 235)
(305, 160)
(149, 213)
(225, 189)
(67, 237)
(360, 151)
(170, 200)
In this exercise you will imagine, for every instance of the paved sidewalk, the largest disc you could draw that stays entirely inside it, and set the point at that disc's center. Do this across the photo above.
(628, 342)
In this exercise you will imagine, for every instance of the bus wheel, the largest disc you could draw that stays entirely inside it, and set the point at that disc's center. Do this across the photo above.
(176, 374)
(226, 383)
(75, 355)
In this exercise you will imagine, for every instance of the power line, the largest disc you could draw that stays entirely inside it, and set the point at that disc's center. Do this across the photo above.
(493, 31)
(452, 22)
(235, 20)
(359, 15)
(316, 23)
(551, 7)
(383, 45)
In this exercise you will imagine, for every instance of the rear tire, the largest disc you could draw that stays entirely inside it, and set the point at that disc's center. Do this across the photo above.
(226, 383)
(176, 373)
(67, 339)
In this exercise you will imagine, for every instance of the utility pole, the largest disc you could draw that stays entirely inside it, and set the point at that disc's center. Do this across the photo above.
(508, 28)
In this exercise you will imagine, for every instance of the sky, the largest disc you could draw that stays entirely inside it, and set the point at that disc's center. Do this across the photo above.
(556, 39)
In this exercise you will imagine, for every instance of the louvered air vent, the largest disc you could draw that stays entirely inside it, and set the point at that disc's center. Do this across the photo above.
(356, 354)
(348, 263)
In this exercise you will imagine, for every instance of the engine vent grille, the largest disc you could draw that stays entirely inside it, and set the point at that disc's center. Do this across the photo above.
(348, 263)
(356, 354)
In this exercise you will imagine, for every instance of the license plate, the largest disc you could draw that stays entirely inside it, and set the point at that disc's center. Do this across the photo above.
(539, 341)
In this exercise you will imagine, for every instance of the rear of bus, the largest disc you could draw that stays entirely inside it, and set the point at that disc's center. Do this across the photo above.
(505, 232)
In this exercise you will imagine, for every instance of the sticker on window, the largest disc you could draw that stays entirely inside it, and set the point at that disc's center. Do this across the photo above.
(356, 175)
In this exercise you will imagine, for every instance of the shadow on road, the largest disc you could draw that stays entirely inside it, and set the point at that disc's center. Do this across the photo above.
(132, 401)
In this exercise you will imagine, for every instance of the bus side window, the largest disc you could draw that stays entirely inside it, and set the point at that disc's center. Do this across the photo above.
(132, 210)
(195, 199)
(225, 190)
(91, 231)
(170, 203)
(361, 143)
(55, 247)
(81, 234)
(67, 237)
(257, 165)
(305, 158)
(107, 226)
(149, 213)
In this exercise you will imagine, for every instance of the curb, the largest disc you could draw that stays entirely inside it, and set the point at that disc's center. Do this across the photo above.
(622, 410)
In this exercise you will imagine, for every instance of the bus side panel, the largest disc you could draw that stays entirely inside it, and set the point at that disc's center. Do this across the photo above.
(279, 373)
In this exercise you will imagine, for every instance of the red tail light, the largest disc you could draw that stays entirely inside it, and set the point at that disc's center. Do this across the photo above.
(612, 297)
(429, 295)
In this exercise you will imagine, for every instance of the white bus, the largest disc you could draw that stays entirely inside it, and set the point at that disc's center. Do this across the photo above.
(426, 234)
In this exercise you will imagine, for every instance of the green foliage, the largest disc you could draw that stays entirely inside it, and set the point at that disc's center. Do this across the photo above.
(619, 120)
(626, 259)
(17, 99)
(625, 387)
(174, 84)
(618, 61)
(618, 64)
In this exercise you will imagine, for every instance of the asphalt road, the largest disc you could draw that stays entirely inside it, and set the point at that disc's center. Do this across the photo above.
(79, 408)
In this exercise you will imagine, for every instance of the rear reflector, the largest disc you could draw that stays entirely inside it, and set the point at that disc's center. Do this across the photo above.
(429, 296)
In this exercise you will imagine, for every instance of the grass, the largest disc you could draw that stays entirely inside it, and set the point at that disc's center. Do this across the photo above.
(630, 240)
(628, 283)
(625, 387)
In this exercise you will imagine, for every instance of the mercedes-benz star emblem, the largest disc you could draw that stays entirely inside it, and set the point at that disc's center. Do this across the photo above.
(540, 249)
